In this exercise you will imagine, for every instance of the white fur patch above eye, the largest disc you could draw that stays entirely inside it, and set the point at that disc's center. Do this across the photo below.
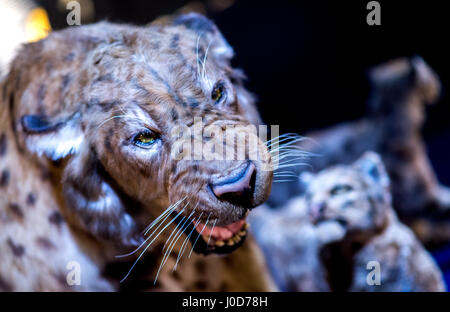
(56, 145)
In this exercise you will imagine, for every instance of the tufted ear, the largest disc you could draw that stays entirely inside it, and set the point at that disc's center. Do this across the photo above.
(55, 139)
(372, 167)
(206, 29)
(95, 202)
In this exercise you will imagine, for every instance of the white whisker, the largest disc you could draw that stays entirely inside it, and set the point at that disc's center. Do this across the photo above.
(196, 54)
(285, 135)
(172, 244)
(146, 240)
(204, 76)
(167, 211)
(116, 117)
(212, 229)
(200, 234)
(182, 220)
(184, 245)
(149, 244)
(278, 181)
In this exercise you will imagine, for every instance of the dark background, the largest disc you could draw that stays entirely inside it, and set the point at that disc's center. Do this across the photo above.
(307, 61)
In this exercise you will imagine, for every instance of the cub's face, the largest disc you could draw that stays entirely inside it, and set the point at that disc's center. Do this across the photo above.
(354, 196)
(145, 121)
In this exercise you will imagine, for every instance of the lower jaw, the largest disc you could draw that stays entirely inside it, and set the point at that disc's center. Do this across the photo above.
(202, 246)
(207, 244)
(211, 245)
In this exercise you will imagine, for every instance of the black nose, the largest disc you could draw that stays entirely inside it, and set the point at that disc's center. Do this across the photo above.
(238, 187)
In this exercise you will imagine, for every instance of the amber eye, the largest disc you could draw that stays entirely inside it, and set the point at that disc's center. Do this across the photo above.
(145, 138)
(218, 92)
(342, 188)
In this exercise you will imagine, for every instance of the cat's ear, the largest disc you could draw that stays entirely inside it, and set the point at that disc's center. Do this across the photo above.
(205, 29)
(210, 38)
(372, 168)
(46, 116)
(55, 138)
(94, 203)
(208, 31)
(393, 83)
(427, 80)
(305, 179)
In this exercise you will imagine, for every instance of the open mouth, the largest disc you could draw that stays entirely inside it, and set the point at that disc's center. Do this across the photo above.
(208, 238)
(321, 220)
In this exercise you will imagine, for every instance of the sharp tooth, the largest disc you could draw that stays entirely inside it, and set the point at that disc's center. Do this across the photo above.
(246, 226)
(220, 243)
(242, 233)
(236, 238)
(230, 242)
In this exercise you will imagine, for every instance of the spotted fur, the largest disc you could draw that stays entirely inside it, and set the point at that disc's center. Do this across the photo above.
(324, 240)
(73, 185)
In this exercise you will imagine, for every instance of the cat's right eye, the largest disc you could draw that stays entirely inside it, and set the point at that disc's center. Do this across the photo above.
(145, 139)
(340, 189)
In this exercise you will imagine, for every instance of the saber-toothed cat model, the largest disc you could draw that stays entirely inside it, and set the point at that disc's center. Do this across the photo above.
(86, 162)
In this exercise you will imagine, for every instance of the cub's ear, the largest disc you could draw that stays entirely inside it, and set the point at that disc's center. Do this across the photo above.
(55, 139)
(208, 31)
(372, 167)
(305, 179)
(94, 203)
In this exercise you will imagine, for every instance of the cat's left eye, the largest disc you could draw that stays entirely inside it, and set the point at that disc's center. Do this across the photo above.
(218, 92)
(145, 138)
(340, 189)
